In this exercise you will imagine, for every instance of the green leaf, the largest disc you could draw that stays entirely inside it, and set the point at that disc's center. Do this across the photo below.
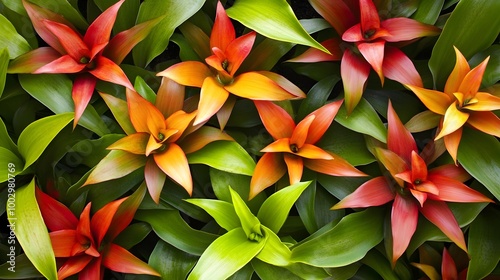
(127, 11)
(170, 262)
(38, 135)
(64, 8)
(4, 64)
(464, 213)
(484, 244)
(363, 119)
(11, 40)
(461, 30)
(8, 159)
(175, 12)
(273, 19)
(176, 232)
(346, 243)
(144, 90)
(133, 235)
(266, 271)
(115, 164)
(250, 224)
(27, 222)
(23, 269)
(492, 72)
(227, 156)
(265, 55)
(226, 255)
(54, 91)
(317, 96)
(274, 252)
(481, 161)
(428, 11)
(5, 140)
(380, 264)
(221, 211)
(119, 109)
(275, 209)
(346, 143)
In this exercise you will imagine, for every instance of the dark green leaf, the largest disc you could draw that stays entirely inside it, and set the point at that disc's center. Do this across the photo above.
(317, 96)
(176, 232)
(21, 268)
(5, 140)
(270, 272)
(170, 262)
(492, 72)
(481, 161)
(380, 264)
(64, 8)
(461, 30)
(484, 244)
(175, 12)
(127, 11)
(363, 119)
(346, 243)
(428, 11)
(144, 90)
(133, 235)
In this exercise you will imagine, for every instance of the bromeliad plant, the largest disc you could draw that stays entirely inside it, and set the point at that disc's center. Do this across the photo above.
(249, 139)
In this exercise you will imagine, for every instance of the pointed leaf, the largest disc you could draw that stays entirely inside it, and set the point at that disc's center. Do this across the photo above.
(226, 255)
(273, 19)
(274, 252)
(119, 109)
(43, 130)
(115, 164)
(66, 10)
(4, 63)
(481, 161)
(176, 232)
(171, 262)
(174, 12)
(54, 91)
(346, 243)
(465, 21)
(13, 164)
(364, 119)
(120, 260)
(274, 211)
(15, 44)
(428, 11)
(228, 156)
(483, 244)
(221, 211)
(250, 224)
(31, 232)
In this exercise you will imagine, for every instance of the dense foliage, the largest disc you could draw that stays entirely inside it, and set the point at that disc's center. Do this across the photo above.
(249, 139)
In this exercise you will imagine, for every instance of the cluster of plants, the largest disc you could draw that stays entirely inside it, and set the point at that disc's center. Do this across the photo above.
(249, 139)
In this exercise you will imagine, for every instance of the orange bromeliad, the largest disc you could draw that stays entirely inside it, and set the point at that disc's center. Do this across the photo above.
(294, 147)
(364, 44)
(461, 102)
(413, 189)
(220, 77)
(86, 244)
(164, 135)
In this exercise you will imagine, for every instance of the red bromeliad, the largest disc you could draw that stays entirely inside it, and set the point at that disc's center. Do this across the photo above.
(294, 147)
(365, 43)
(220, 77)
(93, 56)
(86, 243)
(461, 102)
(416, 189)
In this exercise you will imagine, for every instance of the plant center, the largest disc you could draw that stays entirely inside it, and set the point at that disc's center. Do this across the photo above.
(84, 60)
(369, 33)
(161, 136)
(294, 148)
